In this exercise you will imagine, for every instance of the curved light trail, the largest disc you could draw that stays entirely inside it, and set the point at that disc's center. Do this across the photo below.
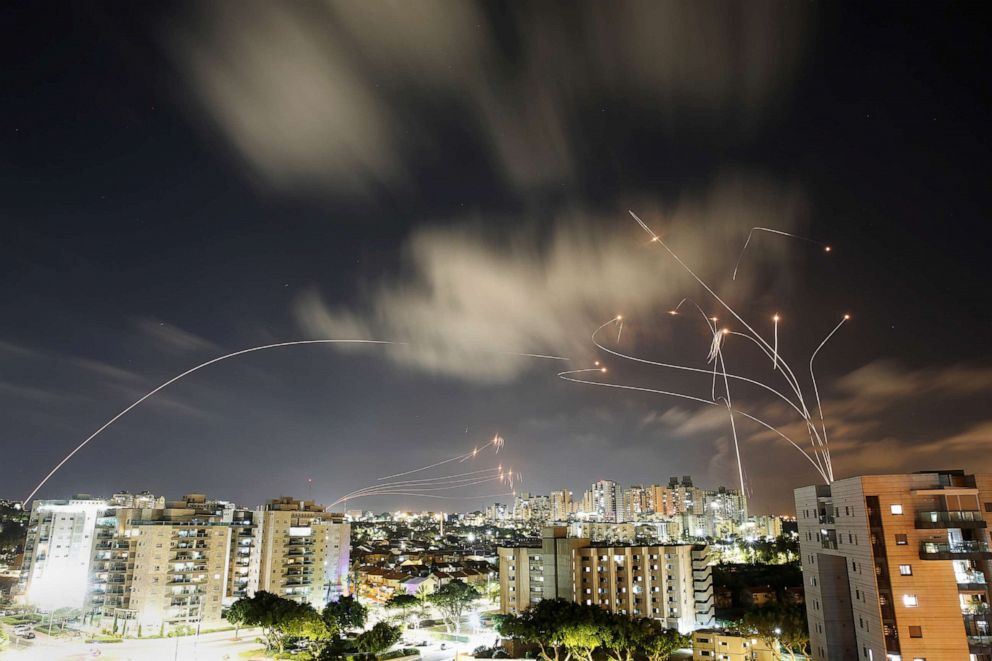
(228, 356)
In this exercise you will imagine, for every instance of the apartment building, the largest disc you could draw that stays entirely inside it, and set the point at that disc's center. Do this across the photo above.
(303, 551)
(180, 571)
(528, 574)
(897, 566)
(730, 645)
(154, 570)
(671, 583)
(561, 505)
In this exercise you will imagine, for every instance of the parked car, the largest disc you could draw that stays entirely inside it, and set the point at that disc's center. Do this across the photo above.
(27, 635)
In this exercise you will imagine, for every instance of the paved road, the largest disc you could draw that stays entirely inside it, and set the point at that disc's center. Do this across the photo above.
(207, 647)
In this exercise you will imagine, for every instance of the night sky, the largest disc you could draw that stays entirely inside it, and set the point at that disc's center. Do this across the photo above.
(181, 180)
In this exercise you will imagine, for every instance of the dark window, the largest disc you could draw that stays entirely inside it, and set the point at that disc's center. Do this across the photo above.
(901, 540)
(988, 507)
(916, 632)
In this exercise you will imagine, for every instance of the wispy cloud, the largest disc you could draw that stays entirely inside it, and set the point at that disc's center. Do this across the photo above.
(172, 338)
(343, 96)
(470, 290)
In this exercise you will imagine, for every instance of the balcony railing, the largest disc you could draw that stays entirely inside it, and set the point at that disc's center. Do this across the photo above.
(949, 551)
(971, 579)
(950, 519)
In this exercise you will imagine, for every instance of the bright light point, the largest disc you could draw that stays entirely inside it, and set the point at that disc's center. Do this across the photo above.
(847, 316)
(603, 370)
(619, 317)
(712, 318)
(726, 331)
(775, 318)
(596, 363)
(673, 312)
(827, 249)
(654, 238)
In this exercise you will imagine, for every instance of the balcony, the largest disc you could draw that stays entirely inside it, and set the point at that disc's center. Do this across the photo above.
(980, 644)
(950, 519)
(970, 581)
(965, 550)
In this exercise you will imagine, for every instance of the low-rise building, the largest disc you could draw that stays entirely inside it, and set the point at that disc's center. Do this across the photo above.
(729, 645)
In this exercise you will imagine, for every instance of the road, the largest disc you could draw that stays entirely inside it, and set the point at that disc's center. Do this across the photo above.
(219, 646)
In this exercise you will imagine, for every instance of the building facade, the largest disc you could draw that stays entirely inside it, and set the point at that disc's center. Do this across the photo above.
(155, 570)
(730, 645)
(671, 583)
(897, 566)
(303, 551)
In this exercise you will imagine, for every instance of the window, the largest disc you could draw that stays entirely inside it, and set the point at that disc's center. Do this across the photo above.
(895, 509)
(988, 507)
(916, 632)
(910, 601)
(901, 540)
(906, 570)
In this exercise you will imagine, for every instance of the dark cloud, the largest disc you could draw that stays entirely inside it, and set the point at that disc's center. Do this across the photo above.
(318, 95)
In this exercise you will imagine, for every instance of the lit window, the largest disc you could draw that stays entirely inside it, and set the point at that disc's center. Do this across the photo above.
(910, 601)
(895, 509)
(906, 570)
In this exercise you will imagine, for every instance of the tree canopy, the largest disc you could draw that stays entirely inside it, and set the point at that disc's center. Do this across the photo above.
(781, 627)
(451, 600)
(563, 629)
(279, 619)
(345, 614)
(379, 638)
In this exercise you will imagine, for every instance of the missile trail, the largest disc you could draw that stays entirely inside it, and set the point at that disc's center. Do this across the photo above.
(228, 356)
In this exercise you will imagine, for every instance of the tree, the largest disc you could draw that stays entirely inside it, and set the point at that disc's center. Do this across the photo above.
(404, 603)
(582, 638)
(656, 642)
(622, 637)
(345, 614)
(782, 628)
(451, 600)
(543, 624)
(378, 639)
(279, 618)
(303, 622)
(237, 615)
(424, 597)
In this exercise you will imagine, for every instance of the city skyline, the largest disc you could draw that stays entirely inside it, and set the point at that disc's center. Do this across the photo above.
(152, 226)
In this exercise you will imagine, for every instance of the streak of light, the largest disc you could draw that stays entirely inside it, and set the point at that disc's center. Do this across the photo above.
(228, 356)
(826, 248)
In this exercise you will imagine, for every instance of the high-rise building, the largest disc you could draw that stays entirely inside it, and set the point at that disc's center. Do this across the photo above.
(157, 569)
(58, 550)
(530, 507)
(897, 566)
(671, 583)
(180, 571)
(607, 501)
(303, 551)
(684, 497)
(561, 505)
(635, 502)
